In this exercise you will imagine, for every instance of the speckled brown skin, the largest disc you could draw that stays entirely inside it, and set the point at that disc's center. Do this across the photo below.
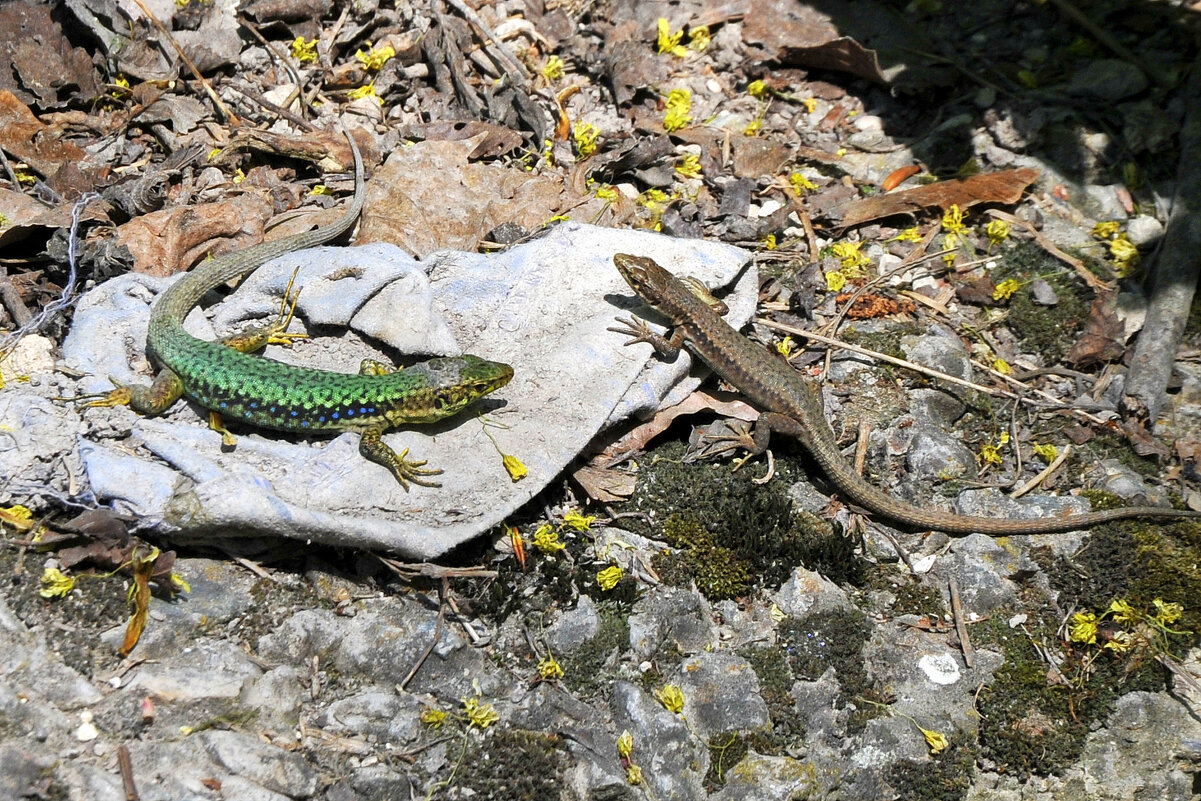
(225, 378)
(790, 404)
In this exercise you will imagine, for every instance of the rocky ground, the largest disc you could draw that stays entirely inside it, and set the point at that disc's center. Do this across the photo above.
(986, 191)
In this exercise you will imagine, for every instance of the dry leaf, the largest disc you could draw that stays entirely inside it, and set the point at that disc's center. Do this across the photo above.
(1005, 186)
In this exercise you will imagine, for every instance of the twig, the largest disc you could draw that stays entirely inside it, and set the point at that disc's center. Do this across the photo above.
(126, 765)
(965, 643)
(12, 300)
(1046, 244)
(229, 116)
(1042, 475)
(443, 590)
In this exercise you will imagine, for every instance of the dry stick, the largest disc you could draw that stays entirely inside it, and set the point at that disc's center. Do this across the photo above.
(1175, 274)
(1042, 475)
(969, 653)
(229, 116)
(12, 300)
(443, 591)
(1095, 283)
(126, 765)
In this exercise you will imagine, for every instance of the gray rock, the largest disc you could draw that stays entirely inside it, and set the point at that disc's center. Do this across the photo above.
(935, 454)
(1101, 202)
(944, 353)
(935, 407)
(1125, 482)
(721, 694)
(806, 593)
(1144, 230)
(671, 618)
(380, 716)
(574, 627)
(673, 761)
(1108, 80)
(277, 695)
(266, 765)
(769, 778)
(1043, 293)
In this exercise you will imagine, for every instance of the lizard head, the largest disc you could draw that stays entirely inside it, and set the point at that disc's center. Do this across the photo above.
(643, 275)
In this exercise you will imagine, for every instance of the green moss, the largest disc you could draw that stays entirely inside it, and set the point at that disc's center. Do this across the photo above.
(725, 751)
(1031, 726)
(1112, 446)
(717, 571)
(513, 765)
(583, 668)
(915, 597)
(1049, 331)
(752, 527)
(943, 778)
(887, 341)
(775, 687)
(833, 639)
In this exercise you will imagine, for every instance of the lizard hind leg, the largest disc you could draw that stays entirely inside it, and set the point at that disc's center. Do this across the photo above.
(275, 332)
(375, 367)
(150, 400)
(405, 470)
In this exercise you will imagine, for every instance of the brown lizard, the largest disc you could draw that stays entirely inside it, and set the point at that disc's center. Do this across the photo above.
(789, 404)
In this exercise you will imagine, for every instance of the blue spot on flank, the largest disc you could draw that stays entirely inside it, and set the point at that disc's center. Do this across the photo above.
(362, 410)
(304, 423)
(273, 408)
(295, 413)
(254, 404)
(350, 412)
(321, 419)
(334, 415)
(224, 404)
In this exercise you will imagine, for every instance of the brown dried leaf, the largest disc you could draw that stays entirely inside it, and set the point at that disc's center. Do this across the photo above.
(37, 63)
(802, 35)
(605, 486)
(430, 197)
(1005, 187)
(169, 241)
(493, 141)
(43, 148)
(1104, 336)
(140, 598)
(637, 438)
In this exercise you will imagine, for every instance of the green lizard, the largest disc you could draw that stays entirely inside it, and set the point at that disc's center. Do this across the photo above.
(790, 404)
(225, 378)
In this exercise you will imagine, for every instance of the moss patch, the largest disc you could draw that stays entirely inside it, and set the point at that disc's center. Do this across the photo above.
(725, 751)
(513, 765)
(775, 687)
(833, 639)
(720, 516)
(1047, 330)
(583, 669)
(944, 778)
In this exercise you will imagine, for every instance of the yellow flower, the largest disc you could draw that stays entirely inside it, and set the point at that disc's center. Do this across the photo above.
(936, 740)
(952, 220)
(546, 539)
(554, 68)
(835, 280)
(585, 136)
(432, 717)
(1082, 628)
(758, 89)
(810, 104)
(848, 253)
(304, 51)
(1121, 642)
(679, 109)
(239, 176)
(769, 242)
(1105, 230)
(320, 189)
(690, 166)
(374, 58)
(670, 42)
(578, 522)
(698, 39)
(989, 454)
(1122, 611)
(1167, 612)
(998, 232)
(785, 347)
(365, 91)
(1125, 254)
(514, 467)
(1005, 289)
(56, 583)
(178, 584)
(480, 715)
(549, 669)
(753, 128)
(634, 775)
(1046, 451)
(606, 192)
(908, 235)
(1002, 366)
(672, 698)
(625, 744)
(801, 184)
(609, 577)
